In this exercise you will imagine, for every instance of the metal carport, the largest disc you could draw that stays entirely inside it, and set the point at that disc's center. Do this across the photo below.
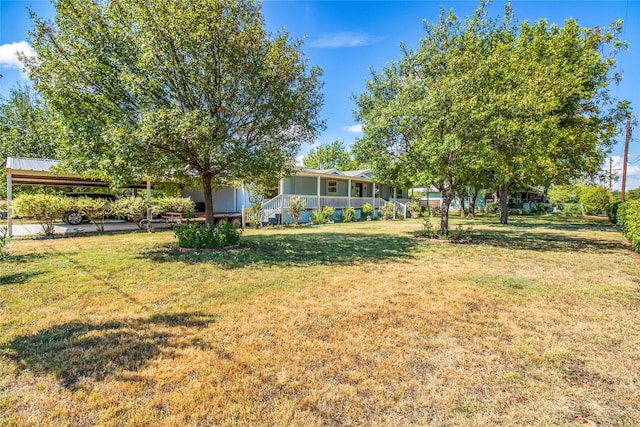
(43, 172)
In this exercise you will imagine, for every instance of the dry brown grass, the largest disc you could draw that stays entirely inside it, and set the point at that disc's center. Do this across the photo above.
(536, 324)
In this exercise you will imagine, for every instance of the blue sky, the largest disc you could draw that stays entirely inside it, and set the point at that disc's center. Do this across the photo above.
(347, 38)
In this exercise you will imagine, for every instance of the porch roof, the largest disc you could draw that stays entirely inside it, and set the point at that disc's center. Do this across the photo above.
(363, 175)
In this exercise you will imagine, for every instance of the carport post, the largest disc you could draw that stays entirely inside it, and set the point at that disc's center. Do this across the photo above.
(9, 206)
(149, 200)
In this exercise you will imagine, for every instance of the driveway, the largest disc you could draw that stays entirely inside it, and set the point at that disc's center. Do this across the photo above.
(61, 228)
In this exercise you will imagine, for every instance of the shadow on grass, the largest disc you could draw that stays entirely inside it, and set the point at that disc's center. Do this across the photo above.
(17, 278)
(298, 249)
(77, 350)
(544, 239)
(556, 222)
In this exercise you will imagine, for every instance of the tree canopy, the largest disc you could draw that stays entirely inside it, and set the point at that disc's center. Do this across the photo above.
(330, 156)
(489, 103)
(180, 88)
(25, 128)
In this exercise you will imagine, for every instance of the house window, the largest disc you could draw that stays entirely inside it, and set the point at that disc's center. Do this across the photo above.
(332, 186)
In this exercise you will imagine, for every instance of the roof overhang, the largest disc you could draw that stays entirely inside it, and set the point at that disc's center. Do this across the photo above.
(42, 172)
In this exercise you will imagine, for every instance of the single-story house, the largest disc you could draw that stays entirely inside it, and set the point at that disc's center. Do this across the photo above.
(328, 187)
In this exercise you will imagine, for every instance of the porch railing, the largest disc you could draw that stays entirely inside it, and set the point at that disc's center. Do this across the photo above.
(280, 203)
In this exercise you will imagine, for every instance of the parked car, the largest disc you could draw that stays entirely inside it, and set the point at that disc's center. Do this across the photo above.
(75, 218)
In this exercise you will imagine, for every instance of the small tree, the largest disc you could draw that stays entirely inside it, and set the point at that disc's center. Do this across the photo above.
(388, 210)
(296, 206)
(367, 210)
(96, 210)
(413, 206)
(44, 208)
(132, 209)
(595, 199)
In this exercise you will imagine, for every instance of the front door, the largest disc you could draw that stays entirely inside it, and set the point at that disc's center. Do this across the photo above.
(358, 189)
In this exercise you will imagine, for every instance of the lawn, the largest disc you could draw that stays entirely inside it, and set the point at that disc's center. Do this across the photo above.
(359, 324)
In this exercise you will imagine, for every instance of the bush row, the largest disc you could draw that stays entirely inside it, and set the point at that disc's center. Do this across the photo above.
(627, 216)
(46, 208)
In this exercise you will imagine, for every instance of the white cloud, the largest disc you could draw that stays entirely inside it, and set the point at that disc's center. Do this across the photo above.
(353, 128)
(299, 160)
(633, 172)
(344, 39)
(9, 57)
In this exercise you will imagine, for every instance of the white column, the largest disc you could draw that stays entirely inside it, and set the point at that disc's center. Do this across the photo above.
(149, 214)
(395, 198)
(9, 206)
(318, 192)
(349, 194)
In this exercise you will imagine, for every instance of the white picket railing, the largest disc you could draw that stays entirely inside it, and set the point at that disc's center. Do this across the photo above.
(280, 203)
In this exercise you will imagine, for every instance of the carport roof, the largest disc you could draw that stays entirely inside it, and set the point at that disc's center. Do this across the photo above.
(29, 171)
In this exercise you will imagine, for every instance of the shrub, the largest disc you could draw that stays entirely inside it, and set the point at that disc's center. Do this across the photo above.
(612, 211)
(366, 210)
(5, 238)
(595, 199)
(628, 216)
(428, 230)
(437, 211)
(44, 208)
(96, 210)
(183, 205)
(296, 206)
(492, 207)
(322, 215)
(413, 206)
(197, 236)
(571, 209)
(388, 210)
(348, 214)
(133, 209)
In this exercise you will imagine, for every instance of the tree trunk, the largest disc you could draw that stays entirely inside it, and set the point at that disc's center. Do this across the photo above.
(444, 218)
(208, 198)
(472, 202)
(503, 194)
(462, 204)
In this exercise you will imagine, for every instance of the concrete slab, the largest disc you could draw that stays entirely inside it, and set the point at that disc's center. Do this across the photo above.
(63, 229)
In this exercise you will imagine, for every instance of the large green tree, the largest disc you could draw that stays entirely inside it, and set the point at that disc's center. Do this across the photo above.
(329, 156)
(182, 88)
(420, 115)
(26, 128)
(487, 103)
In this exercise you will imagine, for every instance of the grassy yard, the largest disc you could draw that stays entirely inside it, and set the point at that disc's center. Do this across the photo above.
(535, 324)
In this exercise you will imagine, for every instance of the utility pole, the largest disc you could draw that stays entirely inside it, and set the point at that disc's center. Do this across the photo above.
(624, 159)
(610, 173)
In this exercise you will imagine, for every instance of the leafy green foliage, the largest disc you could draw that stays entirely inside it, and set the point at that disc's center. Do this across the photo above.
(413, 206)
(5, 238)
(348, 214)
(183, 205)
(198, 89)
(44, 208)
(331, 156)
(571, 209)
(26, 130)
(612, 211)
(388, 210)
(595, 199)
(133, 209)
(366, 210)
(488, 103)
(297, 205)
(322, 215)
(197, 236)
(628, 216)
(96, 210)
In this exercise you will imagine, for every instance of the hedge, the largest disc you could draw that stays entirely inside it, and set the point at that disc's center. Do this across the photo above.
(628, 218)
